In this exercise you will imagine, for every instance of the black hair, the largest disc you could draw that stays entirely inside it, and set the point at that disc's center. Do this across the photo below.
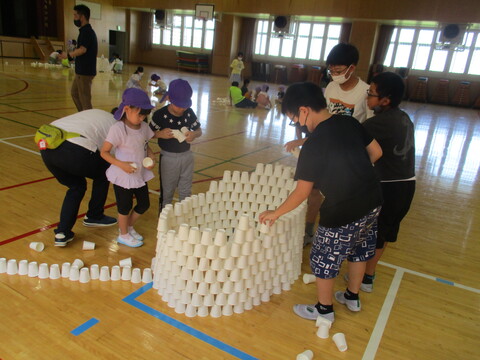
(246, 81)
(235, 83)
(267, 88)
(240, 54)
(74, 42)
(82, 10)
(145, 112)
(114, 110)
(390, 85)
(139, 70)
(303, 94)
(59, 51)
(343, 54)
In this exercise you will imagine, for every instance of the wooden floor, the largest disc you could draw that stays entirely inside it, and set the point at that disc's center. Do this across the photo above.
(425, 304)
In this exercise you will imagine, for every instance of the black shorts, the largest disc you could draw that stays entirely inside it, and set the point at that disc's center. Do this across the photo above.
(397, 197)
(125, 199)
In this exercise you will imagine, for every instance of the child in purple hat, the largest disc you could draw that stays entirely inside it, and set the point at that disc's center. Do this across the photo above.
(176, 158)
(130, 136)
(157, 82)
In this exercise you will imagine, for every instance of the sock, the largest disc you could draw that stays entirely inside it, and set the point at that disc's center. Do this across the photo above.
(309, 228)
(125, 236)
(130, 228)
(324, 309)
(350, 295)
(368, 279)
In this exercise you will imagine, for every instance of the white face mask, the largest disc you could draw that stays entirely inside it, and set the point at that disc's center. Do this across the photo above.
(341, 79)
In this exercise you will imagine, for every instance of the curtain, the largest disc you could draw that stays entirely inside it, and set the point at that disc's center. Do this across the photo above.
(384, 36)
(345, 33)
(245, 45)
(146, 31)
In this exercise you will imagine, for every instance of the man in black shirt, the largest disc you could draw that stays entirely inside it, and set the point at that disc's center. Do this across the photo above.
(85, 59)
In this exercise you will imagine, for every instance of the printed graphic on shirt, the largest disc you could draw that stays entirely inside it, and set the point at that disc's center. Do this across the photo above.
(409, 139)
(337, 106)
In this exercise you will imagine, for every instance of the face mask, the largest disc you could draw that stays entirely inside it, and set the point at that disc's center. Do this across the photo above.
(377, 109)
(304, 129)
(77, 23)
(341, 79)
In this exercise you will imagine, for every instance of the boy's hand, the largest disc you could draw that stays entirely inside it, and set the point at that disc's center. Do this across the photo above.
(268, 217)
(189, 136)
(166, 133)
(289, 146)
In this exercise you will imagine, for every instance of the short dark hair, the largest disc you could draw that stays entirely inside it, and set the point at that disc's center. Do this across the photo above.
(240, 54)
(235, 83)
(343, 54)
(390, 85)
(246, 81)
(303, 94)
(83, 10)
(139, 70)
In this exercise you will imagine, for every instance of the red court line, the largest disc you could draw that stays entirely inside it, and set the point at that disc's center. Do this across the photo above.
(18, 237)
(16, 92)
(36, 110)
(26, 183)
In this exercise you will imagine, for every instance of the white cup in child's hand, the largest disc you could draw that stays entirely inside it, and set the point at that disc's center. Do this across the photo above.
(134, 166)
(147, 162)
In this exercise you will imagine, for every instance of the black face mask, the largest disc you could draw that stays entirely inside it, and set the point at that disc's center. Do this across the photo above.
(77, 23)
(304, 129)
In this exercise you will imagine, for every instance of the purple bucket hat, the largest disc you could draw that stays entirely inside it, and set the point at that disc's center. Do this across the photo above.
(133, 97)
(179, 93)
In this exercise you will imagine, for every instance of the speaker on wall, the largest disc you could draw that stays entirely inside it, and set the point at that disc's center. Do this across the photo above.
(281, 23)
(159, 16)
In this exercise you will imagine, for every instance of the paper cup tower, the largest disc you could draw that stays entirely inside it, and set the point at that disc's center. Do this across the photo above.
(212, 255)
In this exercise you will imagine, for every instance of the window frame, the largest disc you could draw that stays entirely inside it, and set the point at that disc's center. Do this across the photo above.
(292, 58)
(446, 72)
(182, 47)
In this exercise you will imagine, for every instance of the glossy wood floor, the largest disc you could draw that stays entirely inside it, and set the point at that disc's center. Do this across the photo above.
(425, 304)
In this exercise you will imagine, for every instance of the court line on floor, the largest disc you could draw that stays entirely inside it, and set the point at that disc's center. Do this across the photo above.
(84, 327)
(20, 147)
(382, 319)
(431, 277)
(132, 300)
(18, 91)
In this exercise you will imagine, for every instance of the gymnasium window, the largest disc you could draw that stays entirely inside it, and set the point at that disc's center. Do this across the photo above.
(185, 32)
(416, 48)
(309, 41)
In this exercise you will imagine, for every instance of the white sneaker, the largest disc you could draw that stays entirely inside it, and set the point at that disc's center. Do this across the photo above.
(129, 241)
(352, 305)
(364, 287)
(135, 235)
(310, 312)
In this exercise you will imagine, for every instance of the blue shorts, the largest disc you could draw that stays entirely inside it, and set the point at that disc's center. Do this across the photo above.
(355, 241)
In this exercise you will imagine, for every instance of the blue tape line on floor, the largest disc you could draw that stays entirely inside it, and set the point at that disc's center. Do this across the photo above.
(131, 299)
(84, 327)
(445, 281)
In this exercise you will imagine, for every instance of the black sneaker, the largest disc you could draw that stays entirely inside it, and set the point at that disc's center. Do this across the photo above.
(104, 221)
(62, 240)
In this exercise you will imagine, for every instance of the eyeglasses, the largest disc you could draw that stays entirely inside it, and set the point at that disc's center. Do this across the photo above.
(337, 72)
(371, 94)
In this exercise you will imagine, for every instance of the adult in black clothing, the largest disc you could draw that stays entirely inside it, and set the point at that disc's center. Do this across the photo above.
(85, 59)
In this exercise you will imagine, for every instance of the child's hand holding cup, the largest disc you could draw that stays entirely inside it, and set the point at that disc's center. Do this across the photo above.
(148, 163)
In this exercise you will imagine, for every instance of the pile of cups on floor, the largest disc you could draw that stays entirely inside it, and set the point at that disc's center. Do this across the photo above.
(214, 258)
(46, 65)
(76, 271)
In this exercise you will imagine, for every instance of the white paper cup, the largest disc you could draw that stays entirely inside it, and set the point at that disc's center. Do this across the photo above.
(74, 273)
(306, 355)
(136, 276)
(94, 272)
(88, 245)
(37, 246)
(126, 262)
(115, 276)
(104, 273)
(23, 267)
(54, 272)
(323, 331)
(65, 270)
(78, 263)
(147, 162)
(321, 320)
(43, 271)
(84, 275)
(12, 267)
(126, 273)
(33, 269)
(309, 278)
(147, 276)
(3, 265)
(340, 341)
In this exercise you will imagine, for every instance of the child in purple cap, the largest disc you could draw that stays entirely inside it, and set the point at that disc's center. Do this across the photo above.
(156, 81)
(176, 158)
(130, 136)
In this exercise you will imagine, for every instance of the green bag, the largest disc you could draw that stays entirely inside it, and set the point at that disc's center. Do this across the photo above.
(51, 137)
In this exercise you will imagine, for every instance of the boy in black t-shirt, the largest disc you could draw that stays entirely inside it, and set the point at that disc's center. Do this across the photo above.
(394, 131)
(337, 160)
(178, 126)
